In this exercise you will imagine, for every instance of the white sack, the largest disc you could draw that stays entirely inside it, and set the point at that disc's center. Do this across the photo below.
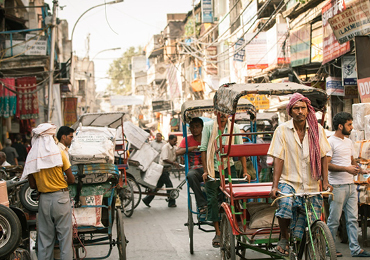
(357, 135)
(153, 173)
(367, 127)
(359, 111)
(89, 216)
(135, 135)
(145, 156)
(93, 145)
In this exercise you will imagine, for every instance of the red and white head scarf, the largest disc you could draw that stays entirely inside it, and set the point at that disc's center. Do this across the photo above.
(313, 134)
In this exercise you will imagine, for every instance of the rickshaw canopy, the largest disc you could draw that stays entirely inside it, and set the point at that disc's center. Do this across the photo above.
(195, 108)
(111, 120)
(228, 95)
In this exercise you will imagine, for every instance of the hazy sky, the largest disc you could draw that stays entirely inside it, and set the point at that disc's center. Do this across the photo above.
(125, 24)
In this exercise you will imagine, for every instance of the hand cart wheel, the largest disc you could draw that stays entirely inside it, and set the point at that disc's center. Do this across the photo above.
(190, 225)
(227, 243)
(121, 238)
(137, 191)
(126, 195)
(11, 231)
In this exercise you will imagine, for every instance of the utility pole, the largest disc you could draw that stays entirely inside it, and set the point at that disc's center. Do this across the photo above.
(52, 55)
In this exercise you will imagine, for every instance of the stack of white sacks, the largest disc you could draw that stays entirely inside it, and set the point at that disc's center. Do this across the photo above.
(144, 153)
(360, 134)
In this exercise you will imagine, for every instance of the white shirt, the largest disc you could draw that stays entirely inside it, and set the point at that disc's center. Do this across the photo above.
(168, 153)
(340, 153)
(5, 164)
(287, 146)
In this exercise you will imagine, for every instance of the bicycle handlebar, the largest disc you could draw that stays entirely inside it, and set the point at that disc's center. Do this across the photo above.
(303, 194)
(233, 179)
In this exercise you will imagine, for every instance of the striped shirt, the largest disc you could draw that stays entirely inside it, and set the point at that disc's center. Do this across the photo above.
(286, 146)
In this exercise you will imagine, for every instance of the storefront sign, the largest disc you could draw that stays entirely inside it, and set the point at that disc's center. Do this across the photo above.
(277, 45)
(207, 11)
(355, 20)
(350, 92)
(300, 45)
(349, 72)
(334, 86)
(259, 101)
(256, 51)
(239, 56)
(35, 46)
(331, 47)
(362, 46)
(161, 105)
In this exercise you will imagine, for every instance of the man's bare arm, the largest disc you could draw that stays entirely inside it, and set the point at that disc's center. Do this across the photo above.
(278, 170)
(352, 169)
(32, 182)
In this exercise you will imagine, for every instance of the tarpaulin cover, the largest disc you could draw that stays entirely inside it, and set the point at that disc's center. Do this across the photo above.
(8, 99)
(28, 104)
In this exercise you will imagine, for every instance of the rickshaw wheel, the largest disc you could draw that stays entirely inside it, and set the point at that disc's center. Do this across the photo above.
(126, 195)
(191, 228)
(227, 244)
(322, 241)
(121, 238)
(137, 191)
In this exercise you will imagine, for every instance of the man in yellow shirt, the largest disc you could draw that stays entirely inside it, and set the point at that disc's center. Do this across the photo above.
(44, 168)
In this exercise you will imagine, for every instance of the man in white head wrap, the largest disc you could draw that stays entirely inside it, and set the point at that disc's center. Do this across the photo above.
(44, 169)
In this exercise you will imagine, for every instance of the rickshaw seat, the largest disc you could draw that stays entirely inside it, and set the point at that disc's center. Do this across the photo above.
(238, 150)
(250, 190)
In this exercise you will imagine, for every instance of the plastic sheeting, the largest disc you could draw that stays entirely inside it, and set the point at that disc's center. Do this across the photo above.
(135, 135)
(367, 127)
(359, 111)
(93, 145)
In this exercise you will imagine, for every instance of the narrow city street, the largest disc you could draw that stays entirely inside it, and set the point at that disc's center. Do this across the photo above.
(158, 232)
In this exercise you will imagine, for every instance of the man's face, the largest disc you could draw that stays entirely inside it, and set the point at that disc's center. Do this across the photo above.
(173, 141)
(158, 138)
(347, 128)
(299, 111)
(196, 129)
(67, 139)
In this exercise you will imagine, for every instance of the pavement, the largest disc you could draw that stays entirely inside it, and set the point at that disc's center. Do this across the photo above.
(158, 232)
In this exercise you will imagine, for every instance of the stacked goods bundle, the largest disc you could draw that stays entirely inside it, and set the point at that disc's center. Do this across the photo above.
(144, 154)
(93, 145)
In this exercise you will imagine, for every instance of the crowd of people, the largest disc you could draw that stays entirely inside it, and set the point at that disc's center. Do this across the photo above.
(303, 158)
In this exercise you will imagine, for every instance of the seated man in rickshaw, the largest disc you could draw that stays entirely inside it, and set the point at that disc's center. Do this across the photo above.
(209, 161)
(299, 148)
(195, 163)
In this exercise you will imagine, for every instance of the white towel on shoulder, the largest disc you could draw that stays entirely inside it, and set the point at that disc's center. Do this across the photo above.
(44, 153)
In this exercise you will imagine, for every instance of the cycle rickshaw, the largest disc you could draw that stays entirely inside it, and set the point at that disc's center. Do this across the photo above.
(237, 233)
(104, 180)
(189, 110)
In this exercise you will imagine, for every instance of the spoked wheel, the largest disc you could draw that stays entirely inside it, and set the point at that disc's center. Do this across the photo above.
(10, 231)
(126, 195)
(191, 228)
(227, 245)
(121, 238)
(322, 243)
(137, 191)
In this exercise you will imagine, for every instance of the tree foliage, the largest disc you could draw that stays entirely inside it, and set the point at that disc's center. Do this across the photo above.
(120, 73)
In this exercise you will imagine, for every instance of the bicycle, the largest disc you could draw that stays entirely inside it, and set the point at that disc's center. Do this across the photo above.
(320, 244)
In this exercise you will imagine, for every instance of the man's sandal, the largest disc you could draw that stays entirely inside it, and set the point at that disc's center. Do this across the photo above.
(283, 244)
(216, 241)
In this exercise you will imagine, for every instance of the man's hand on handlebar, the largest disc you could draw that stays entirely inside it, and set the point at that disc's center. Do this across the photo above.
(274, 193)
(205, 176)
(177, 165)
(327, 187)
(247, 176)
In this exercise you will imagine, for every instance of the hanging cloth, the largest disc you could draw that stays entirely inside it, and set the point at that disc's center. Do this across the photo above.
(28, 104)
(8, 99)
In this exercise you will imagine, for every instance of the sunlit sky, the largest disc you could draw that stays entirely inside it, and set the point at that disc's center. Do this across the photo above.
(125, 24)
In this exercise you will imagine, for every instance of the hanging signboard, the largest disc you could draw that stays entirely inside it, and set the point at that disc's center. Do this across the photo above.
(331, 47)
(256, 51)
(35, 46)
(211, 68)
(349, 72)
(259, 101)
(207, 11)
(161, 105)
(239, 56)
(300, 45)
(362, 46)
(334, 86)
(351, 22)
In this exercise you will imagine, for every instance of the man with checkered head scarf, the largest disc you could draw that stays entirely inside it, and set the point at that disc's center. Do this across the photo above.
(299, 148)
